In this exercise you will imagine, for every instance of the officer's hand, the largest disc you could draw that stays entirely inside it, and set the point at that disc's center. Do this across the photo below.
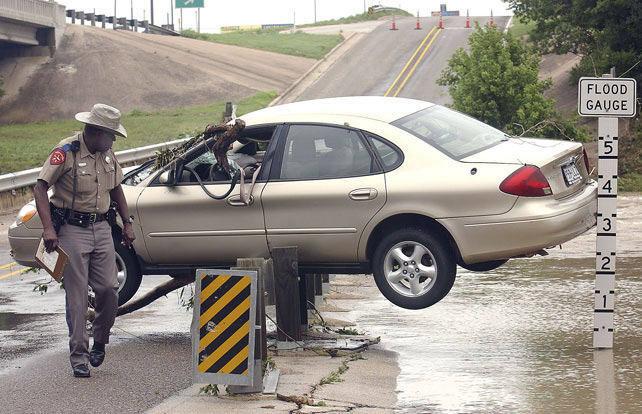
(51, 239)
(128, 234)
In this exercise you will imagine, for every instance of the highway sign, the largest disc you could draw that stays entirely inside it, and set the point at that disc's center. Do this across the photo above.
(182, 4)
(610, 97)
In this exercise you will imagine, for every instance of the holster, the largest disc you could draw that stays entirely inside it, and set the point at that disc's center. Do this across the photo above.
(58, 217)
(110, 215)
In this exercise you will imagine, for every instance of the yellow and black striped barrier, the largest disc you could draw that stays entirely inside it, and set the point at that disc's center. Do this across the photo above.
(223, 327)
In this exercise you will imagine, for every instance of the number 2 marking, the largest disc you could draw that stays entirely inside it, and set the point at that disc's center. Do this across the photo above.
(607, 261)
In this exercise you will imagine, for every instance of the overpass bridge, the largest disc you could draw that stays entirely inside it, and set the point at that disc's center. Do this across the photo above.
(30, 27)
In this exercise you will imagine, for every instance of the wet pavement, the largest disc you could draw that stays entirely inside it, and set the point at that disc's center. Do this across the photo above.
(517, 339)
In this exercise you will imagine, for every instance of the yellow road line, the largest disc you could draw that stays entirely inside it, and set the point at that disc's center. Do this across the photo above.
(410, 60)
(417, 62)
(15, 273)
(8, 265)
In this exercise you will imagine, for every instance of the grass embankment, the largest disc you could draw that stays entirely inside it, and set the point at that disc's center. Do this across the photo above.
(25, 146)
(359, 18)
(297, 44)
(520, 28)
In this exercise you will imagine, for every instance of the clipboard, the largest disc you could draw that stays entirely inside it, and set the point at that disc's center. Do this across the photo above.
(54, 263)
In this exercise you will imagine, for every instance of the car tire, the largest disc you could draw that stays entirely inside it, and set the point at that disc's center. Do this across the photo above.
(129, 275)
(396, 253)
(484, 266)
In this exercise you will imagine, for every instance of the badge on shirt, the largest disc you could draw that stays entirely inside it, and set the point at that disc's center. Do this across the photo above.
(107, 159)
(57, 157)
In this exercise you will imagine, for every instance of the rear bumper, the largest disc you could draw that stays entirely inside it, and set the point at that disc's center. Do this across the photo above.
(24, 243)
(532, 224)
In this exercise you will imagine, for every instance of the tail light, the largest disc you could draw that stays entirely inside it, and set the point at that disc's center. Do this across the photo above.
(528, 181)
(586, 161)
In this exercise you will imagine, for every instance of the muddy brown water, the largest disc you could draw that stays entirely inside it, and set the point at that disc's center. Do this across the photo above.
(519, 339)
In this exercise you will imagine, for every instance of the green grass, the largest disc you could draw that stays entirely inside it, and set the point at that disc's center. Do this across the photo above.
(630, 183)
(298, 44)
(25, 146)
(358, 18)
(520, 28)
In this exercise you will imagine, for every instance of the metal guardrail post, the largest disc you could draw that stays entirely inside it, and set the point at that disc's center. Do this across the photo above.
(135, 25)
(81, 15)
(72, 13)
(101, 18)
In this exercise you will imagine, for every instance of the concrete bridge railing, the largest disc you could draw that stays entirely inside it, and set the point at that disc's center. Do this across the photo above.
(42, 13)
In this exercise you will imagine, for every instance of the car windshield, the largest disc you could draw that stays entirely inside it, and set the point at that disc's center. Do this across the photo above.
(451, 132)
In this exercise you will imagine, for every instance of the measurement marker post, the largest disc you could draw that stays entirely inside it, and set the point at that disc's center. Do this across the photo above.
(607, 98)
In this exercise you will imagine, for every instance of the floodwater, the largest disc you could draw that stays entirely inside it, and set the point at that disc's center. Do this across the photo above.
(519, 339)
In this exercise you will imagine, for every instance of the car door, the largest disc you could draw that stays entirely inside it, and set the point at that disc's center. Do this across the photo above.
(325, 186)
(183, 225)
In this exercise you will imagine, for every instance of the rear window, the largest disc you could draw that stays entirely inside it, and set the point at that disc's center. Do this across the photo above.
(451, 132)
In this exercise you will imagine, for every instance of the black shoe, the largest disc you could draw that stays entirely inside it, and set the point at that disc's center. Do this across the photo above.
(97, 355)
(81, 371)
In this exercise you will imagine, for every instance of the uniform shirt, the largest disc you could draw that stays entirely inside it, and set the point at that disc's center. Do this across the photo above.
(97, 175)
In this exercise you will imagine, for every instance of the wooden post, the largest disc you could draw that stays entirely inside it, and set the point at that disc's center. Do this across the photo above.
(310, 285)
(286, 289)
(303, 305)
(326, 283)
(318, 290)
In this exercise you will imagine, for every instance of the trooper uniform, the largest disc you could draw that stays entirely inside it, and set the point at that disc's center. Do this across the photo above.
(86, 237)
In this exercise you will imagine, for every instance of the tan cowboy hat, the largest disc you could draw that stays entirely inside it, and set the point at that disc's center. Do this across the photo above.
(104, 117)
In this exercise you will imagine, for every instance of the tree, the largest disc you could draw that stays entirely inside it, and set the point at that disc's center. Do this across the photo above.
(497, 83)
(604, 32)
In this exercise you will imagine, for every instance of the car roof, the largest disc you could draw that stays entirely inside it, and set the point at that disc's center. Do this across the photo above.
(385, 109)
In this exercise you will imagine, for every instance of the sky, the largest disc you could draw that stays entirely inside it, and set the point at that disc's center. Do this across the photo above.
(217, 13)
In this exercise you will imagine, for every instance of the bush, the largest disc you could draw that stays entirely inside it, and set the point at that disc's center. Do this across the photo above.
(1, 83)
(497, 83)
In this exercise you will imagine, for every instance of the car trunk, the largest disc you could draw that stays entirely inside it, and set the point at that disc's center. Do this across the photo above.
(561, 162)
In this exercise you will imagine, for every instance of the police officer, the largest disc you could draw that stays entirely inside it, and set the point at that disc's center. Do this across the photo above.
(85, 177)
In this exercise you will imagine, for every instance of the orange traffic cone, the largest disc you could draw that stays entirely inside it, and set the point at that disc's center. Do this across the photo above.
(418, 26)
(441, 26)
(491, 17)
(467, 20)
(394, 26)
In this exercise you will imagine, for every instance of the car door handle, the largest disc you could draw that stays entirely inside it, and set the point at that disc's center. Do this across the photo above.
(236, 201)
(362, 194)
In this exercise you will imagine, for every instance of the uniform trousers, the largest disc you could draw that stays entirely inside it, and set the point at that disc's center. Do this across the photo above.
(92, 263)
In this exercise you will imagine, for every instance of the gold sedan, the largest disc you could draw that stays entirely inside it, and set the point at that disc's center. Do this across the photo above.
(400, 188)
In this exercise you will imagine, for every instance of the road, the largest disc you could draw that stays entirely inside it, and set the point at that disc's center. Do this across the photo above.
(377, 60)
(149, 358)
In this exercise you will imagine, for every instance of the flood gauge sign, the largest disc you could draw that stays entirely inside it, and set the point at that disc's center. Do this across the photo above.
(608, 97)
(223, 327)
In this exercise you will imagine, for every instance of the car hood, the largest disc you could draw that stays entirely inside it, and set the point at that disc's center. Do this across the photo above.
(533, 151)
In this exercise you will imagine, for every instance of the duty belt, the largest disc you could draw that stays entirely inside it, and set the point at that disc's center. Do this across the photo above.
(81, 219)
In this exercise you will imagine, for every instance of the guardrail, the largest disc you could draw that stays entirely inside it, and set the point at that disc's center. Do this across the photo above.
(26, 178)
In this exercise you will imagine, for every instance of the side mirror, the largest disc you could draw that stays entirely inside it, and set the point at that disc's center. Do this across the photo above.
(171, 176)
(165, 177)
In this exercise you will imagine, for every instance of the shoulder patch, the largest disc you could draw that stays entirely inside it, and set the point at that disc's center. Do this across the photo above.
(57, 157)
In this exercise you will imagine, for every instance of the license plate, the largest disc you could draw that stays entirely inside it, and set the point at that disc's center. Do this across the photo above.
(571, 174)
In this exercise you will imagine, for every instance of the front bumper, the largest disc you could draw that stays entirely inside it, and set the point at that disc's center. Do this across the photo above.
(24, 243)
(532, 224)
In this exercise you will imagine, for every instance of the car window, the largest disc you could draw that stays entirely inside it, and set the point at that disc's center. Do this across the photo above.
(390, 156)
(316, 151)
(451, 132)
(206, 166)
